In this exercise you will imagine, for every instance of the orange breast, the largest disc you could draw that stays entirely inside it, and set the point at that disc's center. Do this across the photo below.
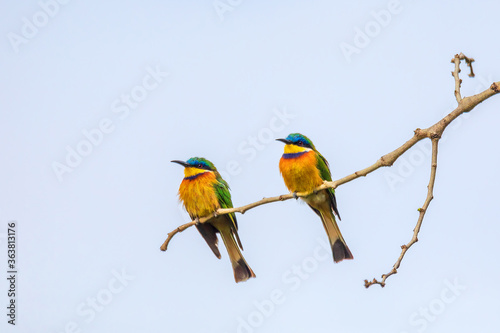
(301, 173)
(198, 195)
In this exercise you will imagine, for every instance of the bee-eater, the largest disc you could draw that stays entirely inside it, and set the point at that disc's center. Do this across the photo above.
(303, 169)
(202, 192)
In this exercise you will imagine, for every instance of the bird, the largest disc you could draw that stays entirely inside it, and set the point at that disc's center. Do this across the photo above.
(202, 192)
(303, 169)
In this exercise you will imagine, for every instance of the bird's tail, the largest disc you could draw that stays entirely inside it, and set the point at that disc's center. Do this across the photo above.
(242, 271)
(337, 242)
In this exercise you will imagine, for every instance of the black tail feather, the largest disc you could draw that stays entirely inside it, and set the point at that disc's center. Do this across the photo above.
(242, 271)
(341, 251)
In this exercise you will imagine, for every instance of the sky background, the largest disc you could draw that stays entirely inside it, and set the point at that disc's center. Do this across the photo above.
(96, 99)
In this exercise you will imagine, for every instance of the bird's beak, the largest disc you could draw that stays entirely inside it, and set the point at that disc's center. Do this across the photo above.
(184, 164)
(284, 141)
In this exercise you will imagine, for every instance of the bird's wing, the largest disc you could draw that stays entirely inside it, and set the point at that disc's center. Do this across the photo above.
(224, 196)
(208, 232)
(323, 167)
(324, 170)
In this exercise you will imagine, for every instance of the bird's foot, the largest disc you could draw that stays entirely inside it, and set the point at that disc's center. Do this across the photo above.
(295, 195)
(197, 221)
(215, 213)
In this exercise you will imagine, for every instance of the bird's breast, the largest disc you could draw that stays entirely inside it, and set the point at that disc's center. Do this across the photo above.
(300, 173)
(198, 195)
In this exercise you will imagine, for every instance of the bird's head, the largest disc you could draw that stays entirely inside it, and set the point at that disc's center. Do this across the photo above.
(297, 143)
(196, 165)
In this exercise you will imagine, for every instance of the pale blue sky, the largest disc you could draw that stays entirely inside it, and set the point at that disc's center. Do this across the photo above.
(97, 98)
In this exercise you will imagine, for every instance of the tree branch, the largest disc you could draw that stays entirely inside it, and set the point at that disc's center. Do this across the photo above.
(433, 132)
(422, 211)
(456, 60)
(458, 81)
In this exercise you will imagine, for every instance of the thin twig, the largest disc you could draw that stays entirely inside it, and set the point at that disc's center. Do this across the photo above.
(422, 212)
(455, 74)
(456, 60)
(469, 62)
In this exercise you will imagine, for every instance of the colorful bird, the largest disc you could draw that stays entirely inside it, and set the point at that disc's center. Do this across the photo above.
(202, 192)
(303, 169)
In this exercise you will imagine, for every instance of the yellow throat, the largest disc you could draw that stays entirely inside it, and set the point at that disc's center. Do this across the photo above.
(191, 171)
(293, 149)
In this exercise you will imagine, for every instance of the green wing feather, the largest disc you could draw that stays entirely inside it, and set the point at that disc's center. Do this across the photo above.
(323, 167)
(224, 196)
(324, 171)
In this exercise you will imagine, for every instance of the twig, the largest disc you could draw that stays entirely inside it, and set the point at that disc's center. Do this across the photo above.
(469, 62)
(433, 132)
(456, 60)
(463, 106)
(458, 81)
(422, 212)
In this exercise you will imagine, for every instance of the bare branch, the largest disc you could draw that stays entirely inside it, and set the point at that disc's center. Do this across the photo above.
(222, 211)
(422, 211)
(495, 87)
(456, 60)
(455, 74)
(469, 62)
(433, 132)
